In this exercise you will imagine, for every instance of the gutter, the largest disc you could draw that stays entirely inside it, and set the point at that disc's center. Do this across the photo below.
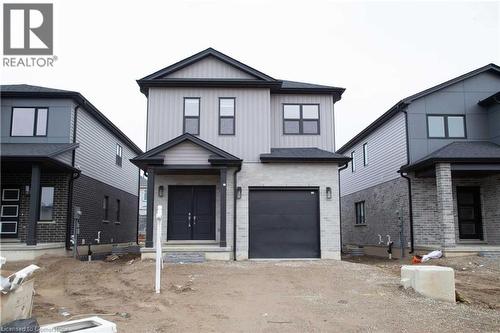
(235, 186)
(405, 176)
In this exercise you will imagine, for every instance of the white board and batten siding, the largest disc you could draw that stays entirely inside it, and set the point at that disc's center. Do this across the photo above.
(325, 140)
(210, 68)
(252, 114)
(386, 154)
(96, 156)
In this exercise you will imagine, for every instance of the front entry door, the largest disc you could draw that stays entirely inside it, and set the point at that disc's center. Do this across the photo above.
(469, 213)
(9, 214)
(191, 213)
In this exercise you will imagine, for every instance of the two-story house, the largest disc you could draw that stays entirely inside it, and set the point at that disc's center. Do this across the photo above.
(434, 158)
(61, 157)
(242, 164)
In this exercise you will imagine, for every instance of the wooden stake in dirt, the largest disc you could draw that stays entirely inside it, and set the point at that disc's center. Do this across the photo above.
(158, 248)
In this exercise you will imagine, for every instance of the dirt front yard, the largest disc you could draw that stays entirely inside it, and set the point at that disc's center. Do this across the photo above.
(288, 296)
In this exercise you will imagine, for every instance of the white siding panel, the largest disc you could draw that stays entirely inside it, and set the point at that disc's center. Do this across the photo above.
(209, 68)
(386, 154)
(325, 140)
(96, 155)
(186, 153)
(165, 117)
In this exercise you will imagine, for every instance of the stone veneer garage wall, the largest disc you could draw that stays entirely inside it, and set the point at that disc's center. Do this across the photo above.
(320, 175)
(382, 201)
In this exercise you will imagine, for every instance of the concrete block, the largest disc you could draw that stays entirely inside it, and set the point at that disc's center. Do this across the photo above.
(431, 281)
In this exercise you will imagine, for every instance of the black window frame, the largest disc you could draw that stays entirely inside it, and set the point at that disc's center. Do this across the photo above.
(35, 121)
(228, 117)
(360, 213)
(40, 204)
(184, 117)
(446, 128)
(301, 119)
(119, 155)
(353, 161)
(365, 154)
(105, 207)
(118, 211)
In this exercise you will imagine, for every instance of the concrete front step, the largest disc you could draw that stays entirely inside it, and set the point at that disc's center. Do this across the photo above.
(489, 254)
(184, 257)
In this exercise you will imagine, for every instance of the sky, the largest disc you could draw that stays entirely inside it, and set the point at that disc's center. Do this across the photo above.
(380, 52)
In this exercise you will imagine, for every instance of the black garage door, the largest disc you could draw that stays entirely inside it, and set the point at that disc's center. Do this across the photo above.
(284, 223)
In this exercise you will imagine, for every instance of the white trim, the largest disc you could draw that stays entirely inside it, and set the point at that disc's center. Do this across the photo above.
(7, 233)
(10, 189)
(17, 211)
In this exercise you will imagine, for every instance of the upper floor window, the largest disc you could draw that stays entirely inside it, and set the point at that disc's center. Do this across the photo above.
(300, 119)
(365, 154)
(192, 115)
(119, 152)
(353, 162)
(445, 126)
(29, 122)
(226, 115)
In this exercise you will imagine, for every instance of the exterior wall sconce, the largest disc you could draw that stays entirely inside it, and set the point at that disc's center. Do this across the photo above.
(238, 192)
(160, 191)
(328, 192)
(27, 189)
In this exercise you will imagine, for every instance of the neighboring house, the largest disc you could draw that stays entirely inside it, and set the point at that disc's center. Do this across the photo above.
(435, 158)
(242, 164)
(58, 153)
(143, 190)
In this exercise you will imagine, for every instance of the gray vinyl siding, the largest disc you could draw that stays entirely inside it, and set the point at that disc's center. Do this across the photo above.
(210, 68)
(58, 130)
(325, 140)
(460, 99)
(252, 112)
(96, 155)
(494, 123)
(386, 154)
(186, 153)
(65, 157)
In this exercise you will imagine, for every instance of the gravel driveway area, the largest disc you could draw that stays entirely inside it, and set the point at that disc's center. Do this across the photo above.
(285, 296)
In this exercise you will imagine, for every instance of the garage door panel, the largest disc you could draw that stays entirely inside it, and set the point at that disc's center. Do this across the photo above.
(284, 224)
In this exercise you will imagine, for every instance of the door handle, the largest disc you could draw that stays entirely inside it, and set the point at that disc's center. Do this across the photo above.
(189, 220)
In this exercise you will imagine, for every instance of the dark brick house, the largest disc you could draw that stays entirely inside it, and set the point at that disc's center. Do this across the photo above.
(60, 156)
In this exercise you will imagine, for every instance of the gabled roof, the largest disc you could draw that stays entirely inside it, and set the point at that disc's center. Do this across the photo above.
(302, 155)
(29, 91)
(406, 101)
(157, 79)
(459, 152)
(153, 156)
(203, 54)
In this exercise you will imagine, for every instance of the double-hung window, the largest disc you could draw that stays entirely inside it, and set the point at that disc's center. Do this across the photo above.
(29, 121)
(301, 119)
(192, 115)
(119, 153)
(365, 154)
(360, 213)
(353, 161)
(446, 126)
(226, 115)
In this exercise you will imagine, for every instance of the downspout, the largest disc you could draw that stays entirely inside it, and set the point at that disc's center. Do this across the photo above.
(138, 203)
(340, 204)
(69, 208)
(410, 203)
(235, 186)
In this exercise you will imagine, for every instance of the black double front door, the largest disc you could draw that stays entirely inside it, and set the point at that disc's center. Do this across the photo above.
(469, 212)
(191, 213)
